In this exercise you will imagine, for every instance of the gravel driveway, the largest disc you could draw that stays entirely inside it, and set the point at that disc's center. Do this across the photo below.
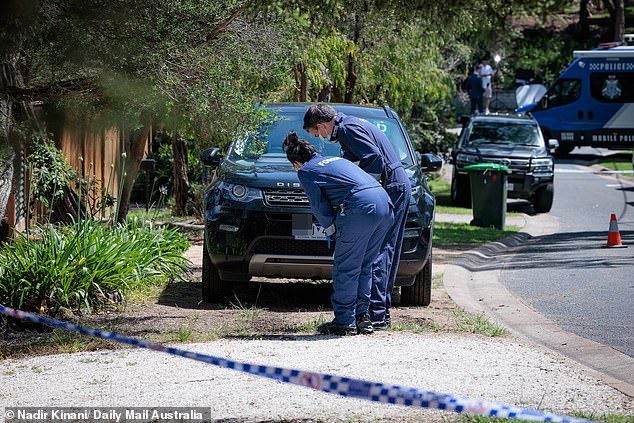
(493, 369)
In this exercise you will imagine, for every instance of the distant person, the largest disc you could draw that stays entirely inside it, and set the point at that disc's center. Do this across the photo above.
(474, 88)
(487, 80)
(365, 144)
(352, 206)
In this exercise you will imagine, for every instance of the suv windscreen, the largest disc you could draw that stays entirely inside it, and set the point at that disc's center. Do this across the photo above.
(504, 133)
(266, 142)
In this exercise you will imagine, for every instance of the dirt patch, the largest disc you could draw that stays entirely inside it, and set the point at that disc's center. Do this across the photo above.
(266, 308)
(261, 308)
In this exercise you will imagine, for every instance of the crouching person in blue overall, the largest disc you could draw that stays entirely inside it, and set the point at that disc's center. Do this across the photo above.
(352, 206)
(362, 142)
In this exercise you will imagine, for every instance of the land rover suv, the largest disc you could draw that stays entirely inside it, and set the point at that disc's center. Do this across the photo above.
(511, 140)
(255, 208)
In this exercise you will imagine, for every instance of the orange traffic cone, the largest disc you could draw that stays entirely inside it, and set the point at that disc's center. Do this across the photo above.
(614, 236)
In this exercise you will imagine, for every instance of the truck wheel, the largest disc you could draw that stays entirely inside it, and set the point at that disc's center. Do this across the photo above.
(460, 190)
(418, 294)
(213, 286)
(543, 201)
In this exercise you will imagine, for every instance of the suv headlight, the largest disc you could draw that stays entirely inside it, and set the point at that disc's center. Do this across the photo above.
(464, 158)
(542, 165)
(237, 192)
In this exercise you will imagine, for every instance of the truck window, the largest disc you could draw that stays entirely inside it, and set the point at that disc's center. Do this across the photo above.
(612, 87)
(564, 91)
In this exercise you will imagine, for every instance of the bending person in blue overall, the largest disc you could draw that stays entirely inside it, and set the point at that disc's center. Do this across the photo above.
(364, 143)
(352, 206)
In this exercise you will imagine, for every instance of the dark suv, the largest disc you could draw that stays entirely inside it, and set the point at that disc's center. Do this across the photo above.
(255, 208)
(511, 140)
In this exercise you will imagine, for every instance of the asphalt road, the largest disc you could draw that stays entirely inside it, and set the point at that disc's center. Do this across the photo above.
(568, 276)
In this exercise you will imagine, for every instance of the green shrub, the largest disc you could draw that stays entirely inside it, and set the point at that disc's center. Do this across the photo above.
(87, 264)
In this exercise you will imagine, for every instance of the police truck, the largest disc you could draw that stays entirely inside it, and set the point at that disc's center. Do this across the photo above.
(592, 102)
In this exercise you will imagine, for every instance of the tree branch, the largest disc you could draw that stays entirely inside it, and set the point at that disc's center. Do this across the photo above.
(222, 25)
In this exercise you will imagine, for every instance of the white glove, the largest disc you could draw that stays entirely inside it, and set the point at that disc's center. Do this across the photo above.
(330, 230)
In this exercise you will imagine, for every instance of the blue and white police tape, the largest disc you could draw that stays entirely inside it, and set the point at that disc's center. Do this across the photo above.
(343, 386)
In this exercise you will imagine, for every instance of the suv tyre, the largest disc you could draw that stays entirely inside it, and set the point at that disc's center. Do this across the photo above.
(418, 294)
(213, 287)
(543, 200)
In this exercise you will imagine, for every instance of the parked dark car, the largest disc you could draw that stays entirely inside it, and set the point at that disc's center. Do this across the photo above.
(255, 206)
(511, 140)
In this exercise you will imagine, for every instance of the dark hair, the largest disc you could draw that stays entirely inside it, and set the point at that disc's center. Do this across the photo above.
(297, 150)
(318, 113)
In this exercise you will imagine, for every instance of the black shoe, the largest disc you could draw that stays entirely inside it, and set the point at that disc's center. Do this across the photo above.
(331, 328)
(364, 324)
(386, 323)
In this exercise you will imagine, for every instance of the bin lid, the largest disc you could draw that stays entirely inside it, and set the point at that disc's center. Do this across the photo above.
(487, 166)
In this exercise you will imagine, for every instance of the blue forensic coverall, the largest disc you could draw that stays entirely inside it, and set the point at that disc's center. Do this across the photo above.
(341, 193)
(365, 143)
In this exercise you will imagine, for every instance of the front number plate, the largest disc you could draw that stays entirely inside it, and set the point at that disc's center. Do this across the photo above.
(317, 233)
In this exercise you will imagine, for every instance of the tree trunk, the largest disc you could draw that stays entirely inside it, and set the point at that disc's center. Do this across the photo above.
(324, 94)
(351, 81)
(6, 187)
(9, 78)
(301, 83)
(616, 9)
(584, 14)
(135, 142)
(337, 95)
(181, 181)
(619, 20)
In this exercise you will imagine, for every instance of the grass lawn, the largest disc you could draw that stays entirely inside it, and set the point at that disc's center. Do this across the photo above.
(621, 161)
(163, 214)
(448, 234)
(442, 191)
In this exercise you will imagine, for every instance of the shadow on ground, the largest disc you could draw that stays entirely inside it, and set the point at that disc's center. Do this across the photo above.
(282, 297)
(549, 251)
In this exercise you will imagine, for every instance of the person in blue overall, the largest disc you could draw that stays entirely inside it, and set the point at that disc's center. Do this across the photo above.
(355, 209)
(364, 143)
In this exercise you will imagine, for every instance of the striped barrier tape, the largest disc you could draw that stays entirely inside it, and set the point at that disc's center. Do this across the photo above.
(347, 387)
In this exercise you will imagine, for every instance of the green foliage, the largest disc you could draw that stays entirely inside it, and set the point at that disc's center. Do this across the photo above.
(544, 52)
(53, 178)
(191, 65)
(325, 60)
(50, 172)
(88, 264)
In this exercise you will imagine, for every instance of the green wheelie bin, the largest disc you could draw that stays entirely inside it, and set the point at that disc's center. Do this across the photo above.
(488, 194)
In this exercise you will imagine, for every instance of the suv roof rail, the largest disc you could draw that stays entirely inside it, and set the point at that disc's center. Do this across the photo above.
(387, 109)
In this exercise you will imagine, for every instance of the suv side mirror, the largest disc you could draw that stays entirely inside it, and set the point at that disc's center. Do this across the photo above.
(430, 162)
(553, 143)
(211, 157)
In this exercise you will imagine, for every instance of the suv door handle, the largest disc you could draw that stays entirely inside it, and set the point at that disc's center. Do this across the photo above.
(580, 114)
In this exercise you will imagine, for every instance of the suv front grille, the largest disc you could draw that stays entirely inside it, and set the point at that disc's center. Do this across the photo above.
(285, 197)
(292, 247)
(515, 164)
